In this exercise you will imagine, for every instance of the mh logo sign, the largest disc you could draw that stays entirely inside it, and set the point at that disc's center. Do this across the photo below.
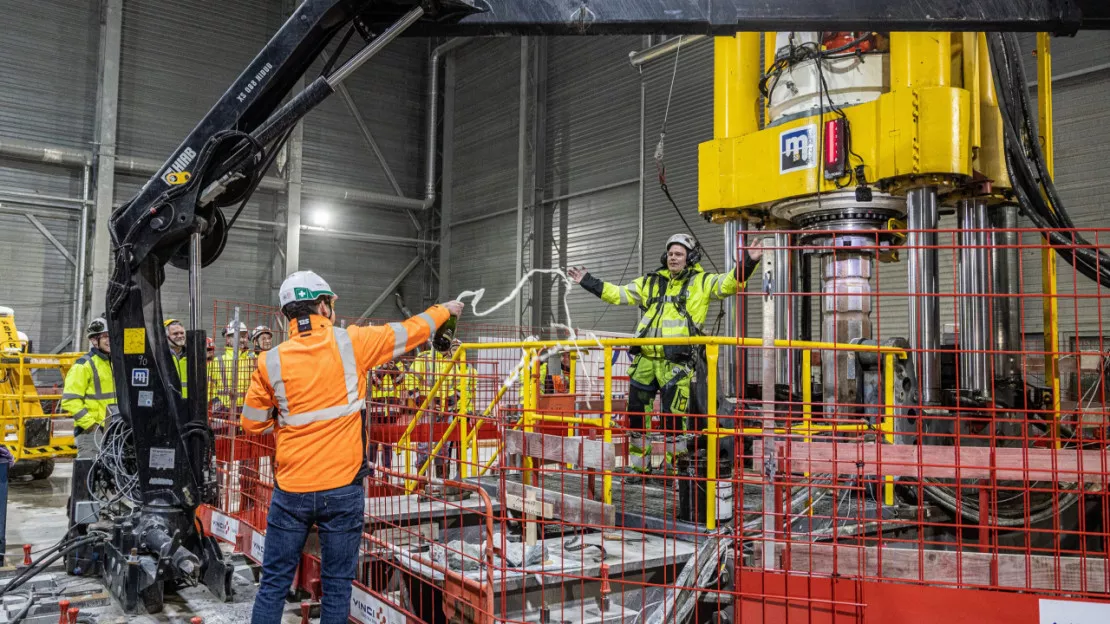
(798, 149)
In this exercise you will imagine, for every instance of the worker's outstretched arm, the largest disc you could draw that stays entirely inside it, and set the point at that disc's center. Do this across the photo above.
(724, 285)
(258, 406)
(630, 294)
(377, 345)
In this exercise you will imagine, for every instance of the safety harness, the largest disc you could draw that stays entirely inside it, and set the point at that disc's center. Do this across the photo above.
(655, 298)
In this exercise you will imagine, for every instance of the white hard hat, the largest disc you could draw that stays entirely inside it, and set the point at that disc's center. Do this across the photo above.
(685, 240)
(304, 286)
(230, 329)
(96, 327)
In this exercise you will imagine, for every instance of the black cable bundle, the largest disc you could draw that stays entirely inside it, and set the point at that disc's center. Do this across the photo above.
(51, 555)
(115, 472)
(1025, 160)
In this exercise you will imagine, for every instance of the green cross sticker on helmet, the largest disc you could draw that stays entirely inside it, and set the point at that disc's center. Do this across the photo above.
(304, 286)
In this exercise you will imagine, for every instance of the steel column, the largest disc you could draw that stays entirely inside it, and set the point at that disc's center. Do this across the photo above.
(921, 206)
(1006, 274)
(107, 118)
(293, 198)
(770, 310)
(733, 249)
(194, 283)
(521, 191)
(447, 199)
(784, 309)
(642, 190)
(845, 317)
(82, 254)
(536, 182)
(1048, 255)
(972, 310)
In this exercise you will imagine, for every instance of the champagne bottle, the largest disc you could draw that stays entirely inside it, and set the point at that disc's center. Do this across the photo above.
(445, 335)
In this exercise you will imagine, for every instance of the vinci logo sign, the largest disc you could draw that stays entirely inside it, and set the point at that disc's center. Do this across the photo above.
(224, 527)
(798, 149)
(367, 609)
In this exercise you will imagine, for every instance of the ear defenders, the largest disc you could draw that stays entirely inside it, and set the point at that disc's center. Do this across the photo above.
(693, 256)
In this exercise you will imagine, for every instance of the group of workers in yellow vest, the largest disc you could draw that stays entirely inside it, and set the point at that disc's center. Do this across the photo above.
(407, 382)
(399, 388)
(90, 391)
(396, 389)
(227, 381)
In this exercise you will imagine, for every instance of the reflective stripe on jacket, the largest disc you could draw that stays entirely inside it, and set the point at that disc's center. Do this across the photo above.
(179, 362)
(460, 379)
(659, 296)
(558, 381)
(89, 389)
(383, 389)
(316, 381)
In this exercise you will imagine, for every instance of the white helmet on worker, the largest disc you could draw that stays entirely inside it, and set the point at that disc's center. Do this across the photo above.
(693, 250)
(96, 327)
(304, 286)
(685, 240)
(230, 329)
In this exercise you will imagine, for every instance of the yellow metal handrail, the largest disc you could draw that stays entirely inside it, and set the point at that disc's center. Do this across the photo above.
(530, 416)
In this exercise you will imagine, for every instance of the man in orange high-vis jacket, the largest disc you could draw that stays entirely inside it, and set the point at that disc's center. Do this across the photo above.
(310, 391)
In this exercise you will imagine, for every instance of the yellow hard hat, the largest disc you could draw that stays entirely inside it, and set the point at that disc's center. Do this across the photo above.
(170, 321)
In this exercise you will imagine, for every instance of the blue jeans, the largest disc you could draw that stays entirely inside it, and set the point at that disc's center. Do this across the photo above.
(338, 516)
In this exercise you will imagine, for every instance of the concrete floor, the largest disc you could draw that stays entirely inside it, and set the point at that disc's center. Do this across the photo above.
(36, 516)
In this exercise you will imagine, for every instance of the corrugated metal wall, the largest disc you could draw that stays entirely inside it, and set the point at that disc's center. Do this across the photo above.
(176, 60)
(593, 141)
(48, 62)
(389, 94)
(487, 94)
(688, 124)
(160, 53)
(48, 84)
(36, 281)
(1082, 127)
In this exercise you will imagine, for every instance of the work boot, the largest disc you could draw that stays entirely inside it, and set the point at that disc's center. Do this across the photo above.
(639, 453)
